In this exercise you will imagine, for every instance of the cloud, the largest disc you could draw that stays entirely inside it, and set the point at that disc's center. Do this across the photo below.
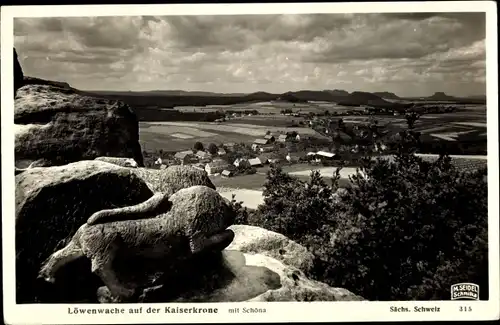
(400, 52)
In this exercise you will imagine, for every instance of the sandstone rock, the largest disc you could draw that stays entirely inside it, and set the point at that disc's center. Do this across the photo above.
(119, 161)
(61, 126)
(52, 203)
(233, 276)
(295, 286)
(256, 240)
(131, 247)
(18, 73)
(173, 178)
(37, 81)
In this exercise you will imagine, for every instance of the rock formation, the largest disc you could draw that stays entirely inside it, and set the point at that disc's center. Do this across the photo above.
(61, 126)
(256, 240)
(440, 96)
(18, 73)
(234, 276)
(158, 233)
(173, 178)
(119, 161)
(52, 203)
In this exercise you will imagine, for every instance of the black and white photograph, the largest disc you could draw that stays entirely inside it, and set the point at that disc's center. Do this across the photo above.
(170, 159)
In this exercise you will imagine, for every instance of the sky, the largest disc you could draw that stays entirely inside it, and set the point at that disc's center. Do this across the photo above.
(410, 54)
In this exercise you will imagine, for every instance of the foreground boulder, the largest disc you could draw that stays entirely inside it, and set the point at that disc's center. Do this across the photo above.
(256, 240)
(233, 276)
(173, 178)
(52, 203)
(119, 161)
(58, 126)
(245, 271)
(131, 247)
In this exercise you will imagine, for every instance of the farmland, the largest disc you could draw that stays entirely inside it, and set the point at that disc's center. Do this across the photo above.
(176, 136)
(465, 127)
(466, 124)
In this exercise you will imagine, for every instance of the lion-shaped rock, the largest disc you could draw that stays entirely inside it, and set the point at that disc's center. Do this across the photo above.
(163, 230)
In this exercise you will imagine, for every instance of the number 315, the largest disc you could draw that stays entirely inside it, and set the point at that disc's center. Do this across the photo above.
(465, 308)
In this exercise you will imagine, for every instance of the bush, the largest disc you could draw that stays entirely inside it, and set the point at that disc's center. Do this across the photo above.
(212, 148)
(295, 208)
(198, 146)
(408, 230)
(240, 211)
(405, 230)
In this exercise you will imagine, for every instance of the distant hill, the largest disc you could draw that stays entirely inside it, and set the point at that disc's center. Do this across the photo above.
(194, 93)
(313, 95)
(361, 98)
(440, 96)
(338, 92)
(386, 95)
(482, 97)
(167, 93)
(292, 98)
(259, 96)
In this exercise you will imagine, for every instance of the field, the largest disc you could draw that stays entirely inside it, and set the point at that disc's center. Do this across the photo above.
(248, 188)
(466, 125)
(177, 136)
(256, 181)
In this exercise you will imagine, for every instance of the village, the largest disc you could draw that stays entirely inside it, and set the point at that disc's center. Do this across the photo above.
(234, 159)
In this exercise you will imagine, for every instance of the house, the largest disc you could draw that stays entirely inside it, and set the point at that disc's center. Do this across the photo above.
(216, 167)
(229, 145)
(268, 148)
(227, 173)
(262, 142)
(241, 162)
(270, 137)
(282, 138)
(184, 156)
(202, 155)
(199, 166)
(255, 162)
(259, 142)
(264, 159)
(158, 161)
(325, 155)
(221, 152)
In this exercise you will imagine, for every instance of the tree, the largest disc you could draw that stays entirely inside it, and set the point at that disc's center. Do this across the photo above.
(405, 229)
(292, 207)
(408, 229)
(212, 148)
(198, 146)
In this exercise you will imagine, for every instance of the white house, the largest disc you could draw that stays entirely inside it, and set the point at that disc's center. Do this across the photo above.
(241, 162)
(215, 167)
(324, 155)
(259, 143)
(202, 155)
(255, 162)
(184, 156)
(158, 161)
